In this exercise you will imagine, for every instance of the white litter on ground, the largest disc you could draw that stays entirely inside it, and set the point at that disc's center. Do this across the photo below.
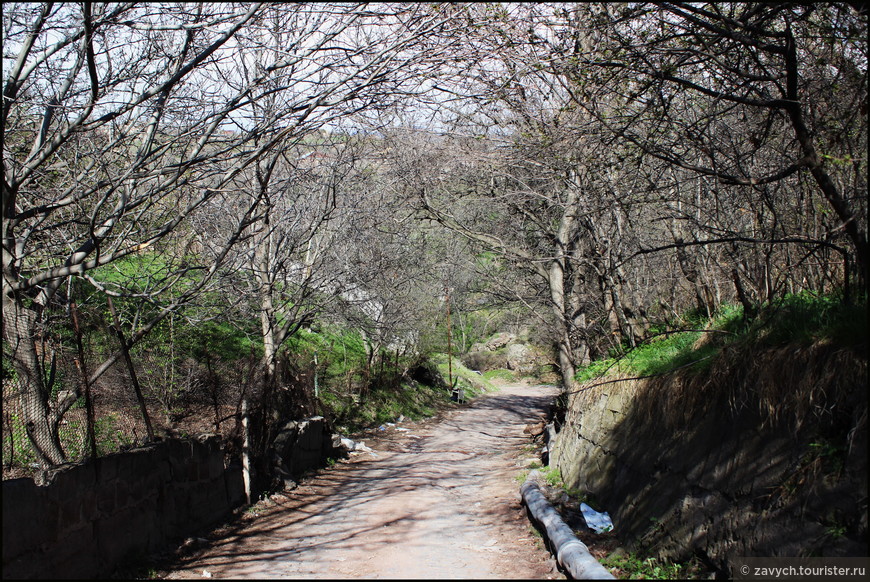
(599, 522)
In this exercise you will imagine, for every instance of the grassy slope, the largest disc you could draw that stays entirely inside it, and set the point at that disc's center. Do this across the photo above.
(797, 355)
(797, 320)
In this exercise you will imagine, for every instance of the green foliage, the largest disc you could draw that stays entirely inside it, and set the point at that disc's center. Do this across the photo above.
(595, 369)
(221, 340)
(357, 406)
(553, 476)
(194, 337)
(411, 400)
(468, 326)
(500, 374)
(108, 435)
(213, 339)
(134, 272)
(802, 318)
(664, 352)
(340, 353)
(805, 318)
(18, 448)
(469, 381)
(636, 568)
(358, 389)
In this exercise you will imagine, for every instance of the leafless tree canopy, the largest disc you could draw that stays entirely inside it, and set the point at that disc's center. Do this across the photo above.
(288, 164)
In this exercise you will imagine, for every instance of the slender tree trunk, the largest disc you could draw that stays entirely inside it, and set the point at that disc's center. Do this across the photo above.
(841, 205)
(623, 325)
(132, 370)
(556, 282)
(268, 319)
(569, 317)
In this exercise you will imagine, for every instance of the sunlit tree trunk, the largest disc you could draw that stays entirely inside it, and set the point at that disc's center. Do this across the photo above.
(19, 329)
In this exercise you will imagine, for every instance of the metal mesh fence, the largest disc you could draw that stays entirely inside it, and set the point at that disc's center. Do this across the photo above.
(182, 397)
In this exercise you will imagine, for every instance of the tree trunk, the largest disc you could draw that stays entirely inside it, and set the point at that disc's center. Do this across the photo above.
(564, 321)
(841, 205)
(19, 331)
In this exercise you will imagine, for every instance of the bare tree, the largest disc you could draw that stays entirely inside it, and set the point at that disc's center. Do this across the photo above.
(527, 176)
(762, 104)
(310, 193)
(122, 122)
(97, 155)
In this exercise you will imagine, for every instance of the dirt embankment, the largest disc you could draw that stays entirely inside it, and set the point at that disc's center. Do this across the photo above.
(763, 455)
(438, 500)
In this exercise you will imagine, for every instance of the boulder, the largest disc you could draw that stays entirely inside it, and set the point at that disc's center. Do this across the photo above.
(520, 358)
(506, 350)
(299, 447)
(494, 343)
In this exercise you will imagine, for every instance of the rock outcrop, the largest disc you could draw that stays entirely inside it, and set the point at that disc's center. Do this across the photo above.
(507, 351)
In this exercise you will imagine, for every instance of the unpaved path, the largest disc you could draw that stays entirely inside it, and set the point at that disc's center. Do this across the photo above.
(438, 501)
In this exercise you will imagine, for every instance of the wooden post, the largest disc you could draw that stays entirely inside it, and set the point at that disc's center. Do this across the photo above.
(246, 451)
(449, 342)
(316, 391)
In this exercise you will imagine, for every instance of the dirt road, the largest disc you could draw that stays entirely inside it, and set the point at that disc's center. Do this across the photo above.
(439, 500)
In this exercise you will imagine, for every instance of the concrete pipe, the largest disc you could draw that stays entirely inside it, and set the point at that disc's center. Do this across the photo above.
(571, 553)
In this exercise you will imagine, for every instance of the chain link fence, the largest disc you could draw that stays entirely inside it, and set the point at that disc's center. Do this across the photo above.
(208, 403)
(180, 397)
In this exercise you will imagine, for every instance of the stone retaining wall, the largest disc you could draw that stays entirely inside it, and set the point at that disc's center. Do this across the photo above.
(89, 518)
(722, 484)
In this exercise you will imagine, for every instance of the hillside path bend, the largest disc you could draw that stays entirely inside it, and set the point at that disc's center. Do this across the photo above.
(439, 500)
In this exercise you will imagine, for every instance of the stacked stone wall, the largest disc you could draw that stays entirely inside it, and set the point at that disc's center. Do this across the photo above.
(722, 484)
(85, 520)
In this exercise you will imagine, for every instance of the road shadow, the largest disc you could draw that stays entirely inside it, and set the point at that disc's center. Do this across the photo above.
(423, 480)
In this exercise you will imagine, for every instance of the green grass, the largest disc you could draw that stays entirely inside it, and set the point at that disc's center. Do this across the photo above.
(551, 474)
(506, 375)
(805, 318)
(221, 340)
(472, 383)
(659, 354)
(524, 474)
(411, 400)
(386, 403)
(356, 397)
(799, 319)
(636, 568)
(108, 435)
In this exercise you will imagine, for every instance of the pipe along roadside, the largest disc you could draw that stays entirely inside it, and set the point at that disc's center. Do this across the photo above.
(571, 553)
